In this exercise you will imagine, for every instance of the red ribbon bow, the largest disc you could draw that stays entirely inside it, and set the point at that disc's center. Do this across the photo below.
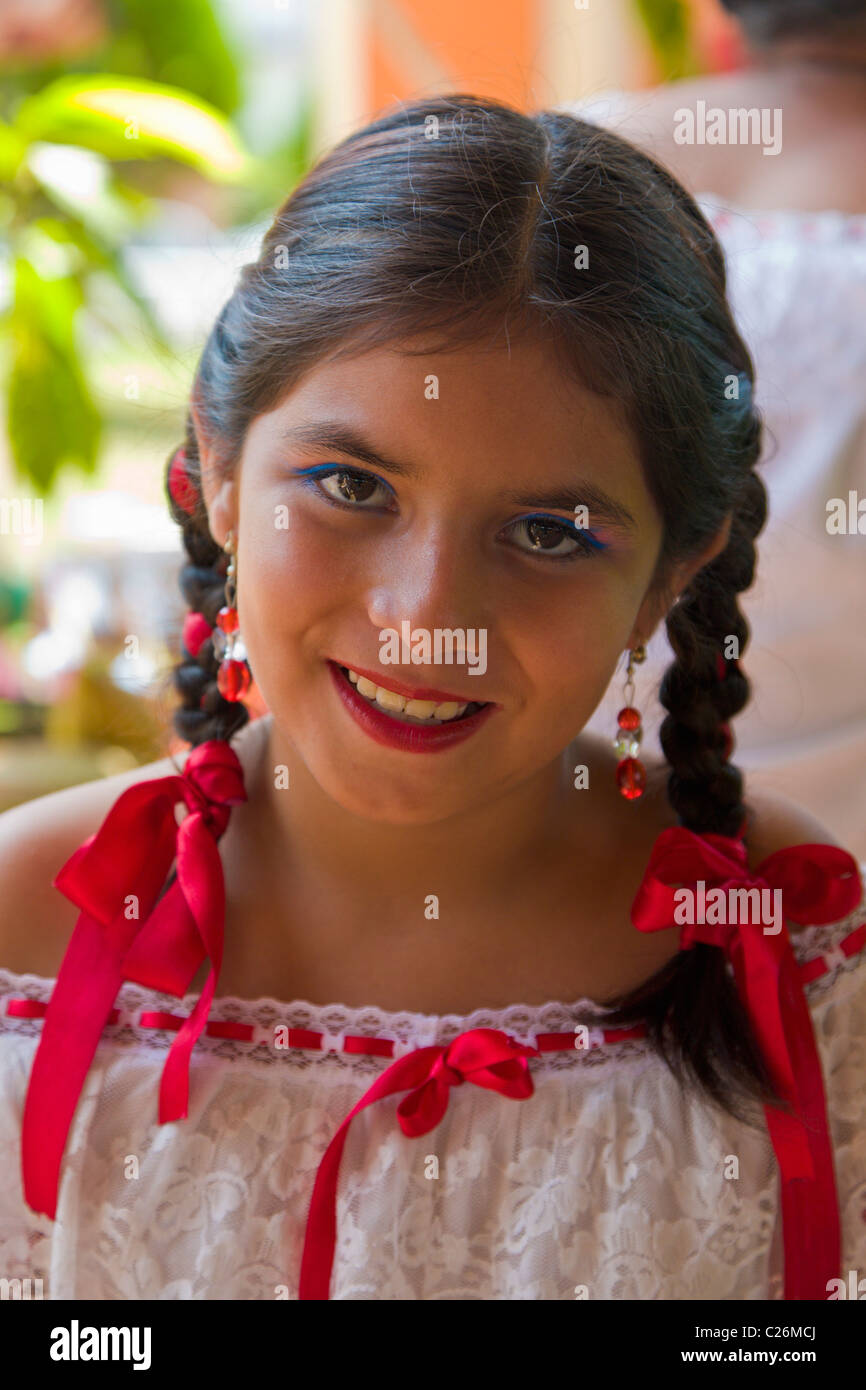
(819, 884)
(122, 933)
(484, 1056)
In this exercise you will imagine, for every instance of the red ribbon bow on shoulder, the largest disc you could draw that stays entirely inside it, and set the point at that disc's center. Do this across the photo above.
(123, 933)
(485, 1056)
(819, 884)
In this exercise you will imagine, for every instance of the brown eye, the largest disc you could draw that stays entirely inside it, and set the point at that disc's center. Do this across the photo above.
(544, 535)
(349, 487)
(555, 540)
(355, 487)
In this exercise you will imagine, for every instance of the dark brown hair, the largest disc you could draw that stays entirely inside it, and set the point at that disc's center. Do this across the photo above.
(765, 22)
(458, 215)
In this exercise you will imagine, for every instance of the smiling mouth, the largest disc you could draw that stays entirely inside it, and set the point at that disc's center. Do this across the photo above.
(404, 711)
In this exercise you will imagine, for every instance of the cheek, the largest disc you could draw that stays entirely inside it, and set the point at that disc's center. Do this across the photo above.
(570, 638)
(289, 580)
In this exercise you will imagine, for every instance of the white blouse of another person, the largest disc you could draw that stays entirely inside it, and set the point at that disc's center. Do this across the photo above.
(797, 287)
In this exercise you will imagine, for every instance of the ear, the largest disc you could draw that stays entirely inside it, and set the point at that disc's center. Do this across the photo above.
(219, 492)
(656, 607)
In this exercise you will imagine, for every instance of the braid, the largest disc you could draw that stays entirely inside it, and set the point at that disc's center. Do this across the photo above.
(703, 788)
(204, 713)
(701, 692)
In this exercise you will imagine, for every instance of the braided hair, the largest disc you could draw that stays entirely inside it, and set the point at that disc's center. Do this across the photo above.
(459, 214)
(204, 713)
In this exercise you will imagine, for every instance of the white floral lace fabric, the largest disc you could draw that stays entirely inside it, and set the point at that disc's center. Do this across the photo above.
(606, 1183)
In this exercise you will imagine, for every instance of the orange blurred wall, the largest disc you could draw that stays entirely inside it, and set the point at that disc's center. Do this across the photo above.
(370, 54)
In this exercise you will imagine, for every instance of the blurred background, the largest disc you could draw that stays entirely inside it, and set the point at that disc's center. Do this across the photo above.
(144, 146)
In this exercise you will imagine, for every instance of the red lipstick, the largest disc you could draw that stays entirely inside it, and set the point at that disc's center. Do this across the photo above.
(411, 692)
(394, 733)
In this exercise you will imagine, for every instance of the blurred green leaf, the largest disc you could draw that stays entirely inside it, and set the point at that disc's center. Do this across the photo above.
(51, 416)
(668, 27)
(95, 254)
(178, 42)
(13, 147)
(131, 118)
(80, 184)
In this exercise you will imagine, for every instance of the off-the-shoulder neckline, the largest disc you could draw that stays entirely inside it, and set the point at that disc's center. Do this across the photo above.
(808, 943)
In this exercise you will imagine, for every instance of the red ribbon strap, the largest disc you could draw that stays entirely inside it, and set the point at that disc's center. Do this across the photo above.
(819, 884)
(122, 933)
(484, 1056)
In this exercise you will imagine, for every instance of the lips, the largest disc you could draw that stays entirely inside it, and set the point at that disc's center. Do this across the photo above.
(411, 692)
(400, 734)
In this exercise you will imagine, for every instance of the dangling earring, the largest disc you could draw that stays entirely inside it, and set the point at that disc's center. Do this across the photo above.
(233, 676)
(630, 773)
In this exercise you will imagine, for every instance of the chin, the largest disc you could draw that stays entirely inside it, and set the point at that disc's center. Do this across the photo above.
(390, 801)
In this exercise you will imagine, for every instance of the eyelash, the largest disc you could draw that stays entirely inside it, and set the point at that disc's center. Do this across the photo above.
(588, 543)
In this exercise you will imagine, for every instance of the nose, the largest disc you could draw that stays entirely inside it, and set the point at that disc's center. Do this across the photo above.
(431, 581)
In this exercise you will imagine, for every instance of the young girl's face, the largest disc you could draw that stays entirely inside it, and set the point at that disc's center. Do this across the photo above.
(464, 522)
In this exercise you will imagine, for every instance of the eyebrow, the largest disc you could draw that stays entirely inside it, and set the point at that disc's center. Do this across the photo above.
(334, 434)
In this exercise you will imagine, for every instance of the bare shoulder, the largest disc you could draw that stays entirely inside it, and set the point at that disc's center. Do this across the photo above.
(774, 822)
(36, 839)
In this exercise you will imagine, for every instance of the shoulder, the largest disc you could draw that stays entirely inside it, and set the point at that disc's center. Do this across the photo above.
(652, 120)
(644, 117)
(36, 839)
(774, 822)
(631, 828)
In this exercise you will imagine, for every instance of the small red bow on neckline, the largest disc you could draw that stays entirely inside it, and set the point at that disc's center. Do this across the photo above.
(485, 1056)
(819, 884)
(123, 933)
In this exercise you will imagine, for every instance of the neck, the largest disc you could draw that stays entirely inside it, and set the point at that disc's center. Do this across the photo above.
(310, 837)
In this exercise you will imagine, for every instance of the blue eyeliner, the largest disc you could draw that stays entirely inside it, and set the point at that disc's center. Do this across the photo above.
(576, 532)
(586, 539)
(325, 468)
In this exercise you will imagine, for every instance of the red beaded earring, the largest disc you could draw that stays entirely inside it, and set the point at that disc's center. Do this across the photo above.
(233, 676)
(630, 773)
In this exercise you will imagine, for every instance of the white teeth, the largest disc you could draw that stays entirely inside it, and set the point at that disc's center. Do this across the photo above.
(420, 709)
(446, 710)
(397, 704)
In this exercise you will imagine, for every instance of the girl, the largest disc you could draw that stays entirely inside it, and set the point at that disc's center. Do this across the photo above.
(472, 426)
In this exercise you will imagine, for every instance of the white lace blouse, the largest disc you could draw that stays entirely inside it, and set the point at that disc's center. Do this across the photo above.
(606, 1183)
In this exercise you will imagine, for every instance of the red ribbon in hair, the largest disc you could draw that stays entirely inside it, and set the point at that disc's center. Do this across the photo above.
(819, 884)
(485, 1056)
(180, 486)
(122, 933)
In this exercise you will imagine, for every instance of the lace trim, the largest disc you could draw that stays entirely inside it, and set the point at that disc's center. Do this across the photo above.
(406, 1029)
(334, 1020)
(323, 1029)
